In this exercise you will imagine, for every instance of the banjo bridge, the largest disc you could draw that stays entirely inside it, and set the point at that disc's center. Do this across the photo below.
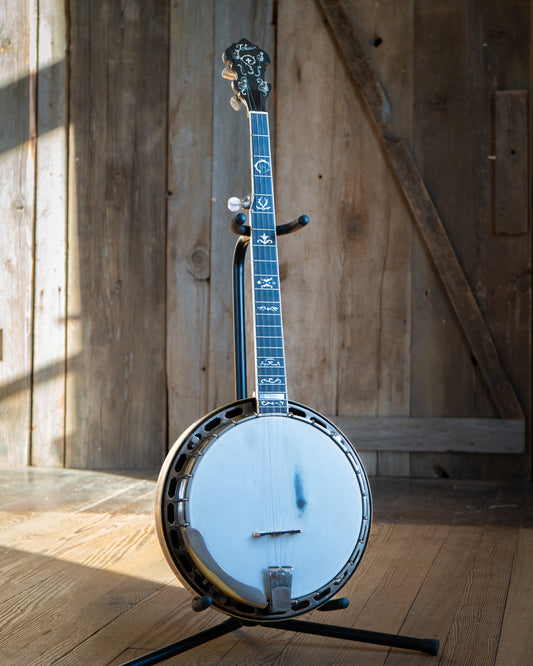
(275, 533)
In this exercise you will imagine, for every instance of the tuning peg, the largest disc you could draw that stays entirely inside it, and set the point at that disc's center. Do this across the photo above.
(236, 203)
(235, 103)
(228, 74)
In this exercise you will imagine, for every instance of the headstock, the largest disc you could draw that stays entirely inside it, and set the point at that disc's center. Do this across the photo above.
(245, 67)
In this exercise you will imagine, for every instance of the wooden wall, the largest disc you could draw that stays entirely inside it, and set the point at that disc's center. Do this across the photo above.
(401, 128)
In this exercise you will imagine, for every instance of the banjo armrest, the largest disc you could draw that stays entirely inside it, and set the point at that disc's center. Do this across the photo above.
(212, 571)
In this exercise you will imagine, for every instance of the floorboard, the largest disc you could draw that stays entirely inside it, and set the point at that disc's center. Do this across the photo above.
(85, 582)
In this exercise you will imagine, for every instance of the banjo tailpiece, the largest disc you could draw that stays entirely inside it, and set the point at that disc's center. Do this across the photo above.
(280, 583)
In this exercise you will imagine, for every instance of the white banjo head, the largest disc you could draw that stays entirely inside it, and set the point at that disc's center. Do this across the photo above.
(267, 515)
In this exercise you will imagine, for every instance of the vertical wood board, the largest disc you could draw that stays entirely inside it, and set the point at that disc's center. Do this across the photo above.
(49, 336)
(118, 97)
(305, 89)
(386, 32)
(17, 175)
(190, 118)
(511, 158)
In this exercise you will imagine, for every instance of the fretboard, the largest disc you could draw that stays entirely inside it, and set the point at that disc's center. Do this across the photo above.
(271, 382)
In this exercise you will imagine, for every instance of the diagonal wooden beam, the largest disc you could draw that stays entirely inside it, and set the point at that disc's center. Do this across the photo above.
(424, 213)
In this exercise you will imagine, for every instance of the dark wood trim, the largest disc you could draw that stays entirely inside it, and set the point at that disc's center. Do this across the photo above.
(435, 435)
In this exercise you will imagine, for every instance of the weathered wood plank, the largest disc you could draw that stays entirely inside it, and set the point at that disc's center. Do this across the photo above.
(167, 612)
(516, 639)
(24, 571)
(189, 210)
(44, 512)
(387, 30)
(393, 463)
(370, 433)
(49, 334)
(116, 398)
(304, 179)
(55, 531)
(17, 174)
(446, 377)
(480, 609)
(440, 592)
(370, 461)
(83, 600)
(425, 214)
(511, 159)
(506, 284)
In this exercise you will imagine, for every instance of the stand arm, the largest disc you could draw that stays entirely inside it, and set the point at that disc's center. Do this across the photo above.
(239, 334)
(238, 225)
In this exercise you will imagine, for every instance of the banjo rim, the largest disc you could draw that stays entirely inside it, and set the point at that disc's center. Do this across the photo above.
(171, 523)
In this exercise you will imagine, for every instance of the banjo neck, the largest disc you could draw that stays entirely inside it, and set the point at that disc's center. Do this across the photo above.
(271, 381)
(245, 67)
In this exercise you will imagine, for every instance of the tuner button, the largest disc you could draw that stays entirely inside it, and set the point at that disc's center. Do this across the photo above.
(234, 204)
(235, 103)
(229, 74)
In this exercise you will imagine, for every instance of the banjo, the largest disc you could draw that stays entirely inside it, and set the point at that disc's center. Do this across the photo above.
(263, 506)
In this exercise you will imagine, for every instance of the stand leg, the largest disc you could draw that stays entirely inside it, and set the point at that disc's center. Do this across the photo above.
(241, 390)
(427, 645)
(186, 643)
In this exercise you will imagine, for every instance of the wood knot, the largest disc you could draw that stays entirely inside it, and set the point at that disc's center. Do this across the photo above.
(439, 103)
(6, 43)
(198, 263)
(354, 225)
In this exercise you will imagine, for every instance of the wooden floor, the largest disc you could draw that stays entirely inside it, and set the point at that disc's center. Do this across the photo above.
(83, 580)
